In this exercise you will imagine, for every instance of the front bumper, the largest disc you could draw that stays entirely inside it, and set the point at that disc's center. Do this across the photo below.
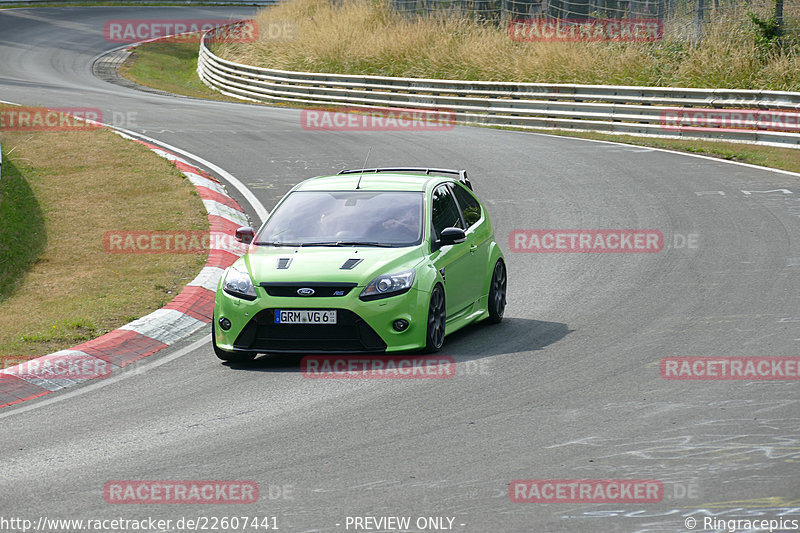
(362, 327)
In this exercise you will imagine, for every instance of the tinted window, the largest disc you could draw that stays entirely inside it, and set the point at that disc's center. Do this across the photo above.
(470, 207)
(328, 217)
(445, 211)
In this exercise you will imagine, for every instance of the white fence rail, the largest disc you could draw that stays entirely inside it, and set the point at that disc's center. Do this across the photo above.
(647, 111)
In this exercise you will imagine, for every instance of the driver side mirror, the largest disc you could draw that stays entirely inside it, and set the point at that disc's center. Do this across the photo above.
(245, 235)
(451, 236)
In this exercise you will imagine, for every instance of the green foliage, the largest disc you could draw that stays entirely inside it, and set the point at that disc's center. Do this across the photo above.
(767, 31)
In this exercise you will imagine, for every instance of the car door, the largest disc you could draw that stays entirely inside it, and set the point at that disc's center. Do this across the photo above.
(452, 261)
(479, 238)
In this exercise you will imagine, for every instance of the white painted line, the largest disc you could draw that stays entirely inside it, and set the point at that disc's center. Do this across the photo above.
(141, 367)
(170, 157)
(260, 210)
(224, 211)
(201, 181)
(28, 370)
(165, 325)
(706, 157)
(208, 278)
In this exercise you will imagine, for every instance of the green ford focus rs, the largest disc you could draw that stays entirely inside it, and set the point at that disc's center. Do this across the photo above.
(367, 261)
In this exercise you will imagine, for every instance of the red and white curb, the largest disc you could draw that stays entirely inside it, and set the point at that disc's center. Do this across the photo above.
(186, 313)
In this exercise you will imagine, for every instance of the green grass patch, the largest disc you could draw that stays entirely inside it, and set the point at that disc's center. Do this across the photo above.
(22, 230)
(169, 66)
(59, 284)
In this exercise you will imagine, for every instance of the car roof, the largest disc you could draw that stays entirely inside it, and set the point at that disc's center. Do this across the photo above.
(370, 182)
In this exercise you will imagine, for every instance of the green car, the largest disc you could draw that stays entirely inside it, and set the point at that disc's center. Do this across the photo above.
(368, 261)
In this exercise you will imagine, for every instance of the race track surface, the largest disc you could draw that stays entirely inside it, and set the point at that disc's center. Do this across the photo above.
(567, 387)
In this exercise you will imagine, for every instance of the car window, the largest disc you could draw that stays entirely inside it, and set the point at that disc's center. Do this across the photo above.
(392, 218)
(469, 205)
(445, 211)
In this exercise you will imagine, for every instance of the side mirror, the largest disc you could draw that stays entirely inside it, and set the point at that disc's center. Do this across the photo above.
(245, 235)
(451, 236)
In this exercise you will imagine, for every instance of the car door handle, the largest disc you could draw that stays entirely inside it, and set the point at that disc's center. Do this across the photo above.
(472, 248)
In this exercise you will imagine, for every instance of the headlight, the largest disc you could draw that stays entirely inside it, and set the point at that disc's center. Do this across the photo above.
(388, 285)
(238, 283)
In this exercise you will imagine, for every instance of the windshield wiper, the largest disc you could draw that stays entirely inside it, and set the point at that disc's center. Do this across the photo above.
(320, 243)
(365, 243)
(276, 243)
(327, 243)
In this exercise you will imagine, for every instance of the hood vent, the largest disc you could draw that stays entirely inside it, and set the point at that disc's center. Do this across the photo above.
(350, 264)
(284, 262)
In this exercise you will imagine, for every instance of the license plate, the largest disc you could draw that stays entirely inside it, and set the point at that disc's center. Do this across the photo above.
(306, 316)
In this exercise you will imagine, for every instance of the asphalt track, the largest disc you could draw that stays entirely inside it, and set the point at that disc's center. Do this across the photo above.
(567, 387)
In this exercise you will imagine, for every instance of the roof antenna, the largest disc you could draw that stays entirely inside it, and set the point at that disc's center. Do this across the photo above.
(363, 167)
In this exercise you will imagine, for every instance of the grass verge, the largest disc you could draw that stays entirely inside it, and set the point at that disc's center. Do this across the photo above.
(169, 66)
(368, 37)
(64, 191)
(22, 228)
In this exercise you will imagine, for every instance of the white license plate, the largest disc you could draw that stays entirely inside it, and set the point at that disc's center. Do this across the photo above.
(306, 316)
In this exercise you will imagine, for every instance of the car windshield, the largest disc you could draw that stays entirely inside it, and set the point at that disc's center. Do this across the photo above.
(345, 218)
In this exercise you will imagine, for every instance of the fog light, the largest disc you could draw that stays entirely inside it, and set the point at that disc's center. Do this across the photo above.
(400, 324)
(224, 323)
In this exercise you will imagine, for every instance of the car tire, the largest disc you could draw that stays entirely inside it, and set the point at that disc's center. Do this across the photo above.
(225, 355)
(497, 293)
(437, 315)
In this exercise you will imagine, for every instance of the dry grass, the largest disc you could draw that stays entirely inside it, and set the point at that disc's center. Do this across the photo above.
(87, 183)
(366, 37)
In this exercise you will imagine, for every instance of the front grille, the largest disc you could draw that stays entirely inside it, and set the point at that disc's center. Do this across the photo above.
(349, 335)
(321, 290)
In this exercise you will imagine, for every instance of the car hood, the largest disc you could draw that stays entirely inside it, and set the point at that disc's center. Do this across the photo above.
(353, 264)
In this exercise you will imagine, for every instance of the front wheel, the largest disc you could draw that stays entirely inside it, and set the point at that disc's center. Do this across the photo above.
(226, 355)
(436, 321)
(497, 293)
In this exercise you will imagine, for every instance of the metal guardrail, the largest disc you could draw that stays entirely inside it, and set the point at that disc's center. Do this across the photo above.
(599, 108)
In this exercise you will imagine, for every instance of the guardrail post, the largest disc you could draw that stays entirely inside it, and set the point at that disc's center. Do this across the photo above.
(699, 20)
